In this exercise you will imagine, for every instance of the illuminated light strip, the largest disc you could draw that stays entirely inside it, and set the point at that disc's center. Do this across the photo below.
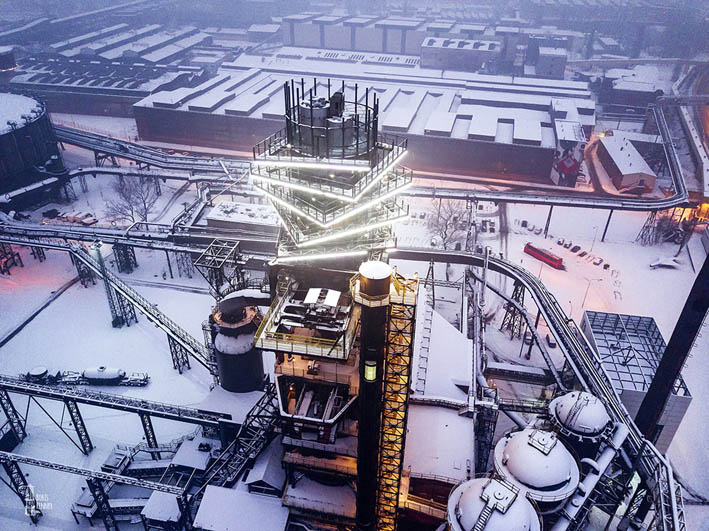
(312, 165)
(350, 232)
(285, 226)
(324, 256)
(366, 206)
(381, 174)
(302, 188)
(286, 204)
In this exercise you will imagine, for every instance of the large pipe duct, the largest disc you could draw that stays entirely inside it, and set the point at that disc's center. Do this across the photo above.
(596, 470)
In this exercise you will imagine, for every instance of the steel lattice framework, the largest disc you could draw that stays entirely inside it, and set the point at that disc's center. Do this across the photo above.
(396, 384)
(332, 178)
(221, 265)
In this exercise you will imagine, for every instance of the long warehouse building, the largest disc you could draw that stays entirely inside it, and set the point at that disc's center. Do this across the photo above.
(456, 122)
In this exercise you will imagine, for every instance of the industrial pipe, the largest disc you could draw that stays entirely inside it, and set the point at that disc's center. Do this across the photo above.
(597, 468)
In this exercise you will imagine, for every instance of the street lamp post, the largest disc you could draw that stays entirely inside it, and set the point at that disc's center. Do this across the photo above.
(594, 238)
(588, 286)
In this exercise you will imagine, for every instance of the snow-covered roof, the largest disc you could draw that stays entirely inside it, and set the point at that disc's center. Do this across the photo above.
(439, 442)
(162, 506)
(626, 158)
(251, 213)
(189, 455)
(267, 468)
(413, 100)
(13, 107)
(235, 510)
(550, 51)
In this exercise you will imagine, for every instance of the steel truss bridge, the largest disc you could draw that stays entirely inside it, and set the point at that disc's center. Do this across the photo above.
(653, 468)
(182, 344)
(71, 397)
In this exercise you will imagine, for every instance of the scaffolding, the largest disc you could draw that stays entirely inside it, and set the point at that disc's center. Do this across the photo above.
(125, 258)
(396, 384)
(222, 267)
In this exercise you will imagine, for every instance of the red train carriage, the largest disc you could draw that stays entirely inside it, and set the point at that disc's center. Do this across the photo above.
(545, 256)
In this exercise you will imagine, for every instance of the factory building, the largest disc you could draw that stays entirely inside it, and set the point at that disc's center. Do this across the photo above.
(458, 54)
(462, 123)
(407, 35)
(626, 167)
(108, 89)
(630, 347)
(28, 147)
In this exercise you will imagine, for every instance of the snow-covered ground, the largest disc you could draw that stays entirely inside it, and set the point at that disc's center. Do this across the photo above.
(629, 285)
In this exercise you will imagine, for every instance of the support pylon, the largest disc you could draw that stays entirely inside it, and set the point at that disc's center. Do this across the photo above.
(513, 320)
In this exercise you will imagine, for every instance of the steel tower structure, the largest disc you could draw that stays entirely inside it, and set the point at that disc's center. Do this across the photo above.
(331, 176)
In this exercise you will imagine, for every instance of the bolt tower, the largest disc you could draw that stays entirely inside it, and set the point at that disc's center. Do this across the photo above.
(331, 176)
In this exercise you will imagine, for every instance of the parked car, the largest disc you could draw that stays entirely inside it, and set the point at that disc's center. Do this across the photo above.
(575, 248)
(598, 261)
(582, 254)
(568, 244)
(560, 241)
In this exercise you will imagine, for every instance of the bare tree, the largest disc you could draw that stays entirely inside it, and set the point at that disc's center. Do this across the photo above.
(446, 221)
(134, 199)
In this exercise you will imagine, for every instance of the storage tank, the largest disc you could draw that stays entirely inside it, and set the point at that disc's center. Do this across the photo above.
(103, 375)
(492, 505)
(7, 65)
(28, 146)
(239, 363)
(579, 416)
(539, 464)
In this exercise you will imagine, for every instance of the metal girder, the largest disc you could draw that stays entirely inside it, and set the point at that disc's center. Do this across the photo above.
(102, 503)
(125, 258)
(83, 434)
(149, 431)
(7, 457)
(22, 489)
(401, 321)
(222, 267)
(111, 401)
(12, 415)
(180, 357)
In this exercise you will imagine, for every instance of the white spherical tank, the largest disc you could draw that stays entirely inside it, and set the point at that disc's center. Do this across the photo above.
(579, 415)
(492, 504)
(539, 464)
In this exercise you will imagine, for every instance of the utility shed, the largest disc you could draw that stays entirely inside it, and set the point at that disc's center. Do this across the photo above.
(161, 511)
(625, 165)
(267, 476)
(630, 347)
(235, 510)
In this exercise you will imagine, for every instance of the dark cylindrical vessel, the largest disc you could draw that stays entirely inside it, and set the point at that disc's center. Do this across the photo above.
(374, 283)
(239, 363)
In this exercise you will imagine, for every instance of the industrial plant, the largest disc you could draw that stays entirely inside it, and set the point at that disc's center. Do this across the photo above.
(354, 266)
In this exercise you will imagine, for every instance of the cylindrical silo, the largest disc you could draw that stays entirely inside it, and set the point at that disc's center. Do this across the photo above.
(491, 505)
(581, 420)
(239, 363)
(540, 465)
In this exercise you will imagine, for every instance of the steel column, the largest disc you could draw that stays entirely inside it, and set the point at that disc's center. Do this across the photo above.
(149, 431)
(73, 409)
(12, 415)
(22, 489)
(102, 503)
